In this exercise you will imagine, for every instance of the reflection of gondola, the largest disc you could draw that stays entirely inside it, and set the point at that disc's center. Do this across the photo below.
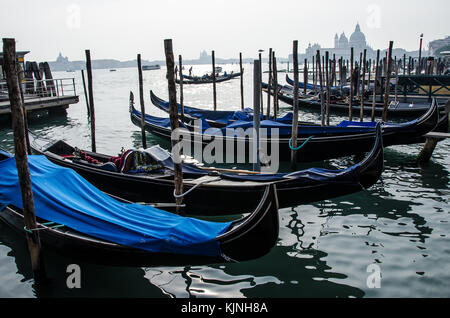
(75, 217)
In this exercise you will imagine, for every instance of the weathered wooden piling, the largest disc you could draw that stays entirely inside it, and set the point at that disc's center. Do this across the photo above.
(141, 99)
(91, 98)
(295, 111)
(17, 117)
(375, 86)
(363, 87)
(388, 79)
(256, 113)
(350, 99)
(322, 98)
(173, 110)
(214, 80)
(305, 75)
(180, 62)
(328, 81)
(86, 96)
(269, 83)
(242, 81)
(275, 86)
(314, 75)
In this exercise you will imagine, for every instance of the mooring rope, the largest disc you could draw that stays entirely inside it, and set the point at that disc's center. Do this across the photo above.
(301, 146)
(193, 188)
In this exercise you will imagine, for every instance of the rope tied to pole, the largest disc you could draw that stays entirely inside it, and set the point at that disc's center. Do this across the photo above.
(301, 146)
(194, 187)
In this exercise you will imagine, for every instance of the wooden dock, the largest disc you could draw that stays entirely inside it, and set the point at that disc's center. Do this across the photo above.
(52, 103)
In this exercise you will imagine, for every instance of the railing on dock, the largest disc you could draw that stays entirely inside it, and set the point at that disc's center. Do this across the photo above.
(33, 89)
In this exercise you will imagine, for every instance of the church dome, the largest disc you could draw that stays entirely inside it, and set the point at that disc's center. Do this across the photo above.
(343, 41)
(358, 38)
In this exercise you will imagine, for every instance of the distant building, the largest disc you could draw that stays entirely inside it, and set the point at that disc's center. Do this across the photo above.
(436, 46)
(342, 46)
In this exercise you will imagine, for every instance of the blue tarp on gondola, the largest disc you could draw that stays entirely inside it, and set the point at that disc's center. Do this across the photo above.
(63, 196)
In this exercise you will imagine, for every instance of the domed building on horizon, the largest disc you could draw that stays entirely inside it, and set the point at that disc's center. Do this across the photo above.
(342, 46)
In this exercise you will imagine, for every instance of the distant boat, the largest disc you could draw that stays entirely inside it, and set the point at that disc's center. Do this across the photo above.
(113, 70)
(70, 71)
(218, 69)
(151, 67)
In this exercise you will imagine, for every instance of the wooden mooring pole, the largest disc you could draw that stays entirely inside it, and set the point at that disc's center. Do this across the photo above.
(214, 80)
(180, 62)
(242, 81)
(17, 117)
(388, 80)
(375, 86)
(91, 99)
(350, 99)
(294, 135)
(173, 109)
(322, 99)
(256, 113)
(270, 84)
(328, 83)
(275, 86)
(141, 95)
(363, 87)
(86, 97)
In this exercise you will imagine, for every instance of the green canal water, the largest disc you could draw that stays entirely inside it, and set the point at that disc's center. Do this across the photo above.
(402, 224)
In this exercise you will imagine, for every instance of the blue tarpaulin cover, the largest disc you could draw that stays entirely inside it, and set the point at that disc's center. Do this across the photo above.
(63, 196)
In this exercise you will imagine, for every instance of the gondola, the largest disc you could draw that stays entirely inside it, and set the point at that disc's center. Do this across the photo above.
(221, 119)
(394, 134)
(77, 219)
(397, 109)
(214, 191)
(191, 80)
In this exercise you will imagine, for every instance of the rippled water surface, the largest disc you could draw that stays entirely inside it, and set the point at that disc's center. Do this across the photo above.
(324, 249)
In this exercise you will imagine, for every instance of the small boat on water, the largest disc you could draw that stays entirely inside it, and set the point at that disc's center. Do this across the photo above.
(151, 67)
(207, 79)
(210, 191)
(76, 218)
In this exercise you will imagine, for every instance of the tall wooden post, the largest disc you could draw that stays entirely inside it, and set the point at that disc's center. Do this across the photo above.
(314, 75)
(350, 99)
(328, 80)
(388, 80)
(86, 96)
(214, 80)
(270, 83)
(375, 86)
(256, 113)
(33, 238)
(242, 81)
(91, 99)
(322, 98)
(295, 112)
(173, 109)
(141, 95)
(275, 86)
(305, 76)
(180, 61)
(363, 87)
(261, 97)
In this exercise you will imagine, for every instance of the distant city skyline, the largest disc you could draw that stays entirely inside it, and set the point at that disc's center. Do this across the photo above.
(117, 29)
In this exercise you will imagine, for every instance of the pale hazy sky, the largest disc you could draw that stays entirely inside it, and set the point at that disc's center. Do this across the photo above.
(120, 29)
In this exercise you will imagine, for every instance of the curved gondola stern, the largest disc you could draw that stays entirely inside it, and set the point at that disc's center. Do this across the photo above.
(371, 168)
(430, 120)
(255, 235)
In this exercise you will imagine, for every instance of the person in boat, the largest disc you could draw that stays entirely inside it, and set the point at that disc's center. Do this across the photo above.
(190, 71)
